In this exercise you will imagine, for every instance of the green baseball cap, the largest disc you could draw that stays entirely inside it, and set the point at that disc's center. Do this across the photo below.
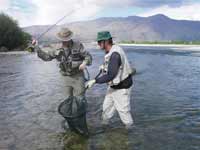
(103, 35)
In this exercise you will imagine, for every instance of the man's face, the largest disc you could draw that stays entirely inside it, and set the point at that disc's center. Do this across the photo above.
(101, 44)
(66, 43)
(104, 46)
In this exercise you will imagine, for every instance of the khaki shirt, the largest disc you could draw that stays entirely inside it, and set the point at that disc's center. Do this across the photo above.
(53, 51)
(56, 51)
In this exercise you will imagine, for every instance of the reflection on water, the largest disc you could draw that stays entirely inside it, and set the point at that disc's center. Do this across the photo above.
(165, 104)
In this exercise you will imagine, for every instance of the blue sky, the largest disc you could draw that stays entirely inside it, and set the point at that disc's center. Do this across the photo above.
(36, 12)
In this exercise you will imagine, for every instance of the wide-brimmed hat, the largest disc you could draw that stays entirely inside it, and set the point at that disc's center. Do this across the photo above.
(64, 34)
(103, 35)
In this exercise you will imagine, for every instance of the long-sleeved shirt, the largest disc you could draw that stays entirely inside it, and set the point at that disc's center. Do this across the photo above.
(52, 53)
(70, 58)
(113, 68)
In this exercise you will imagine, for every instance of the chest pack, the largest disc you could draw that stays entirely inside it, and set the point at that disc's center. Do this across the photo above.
(70, 60)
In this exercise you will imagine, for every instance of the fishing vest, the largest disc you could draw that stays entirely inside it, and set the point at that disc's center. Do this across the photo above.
(71, 59)
(124, 70)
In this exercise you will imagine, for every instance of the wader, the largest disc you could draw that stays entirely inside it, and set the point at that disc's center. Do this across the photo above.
(118, 99)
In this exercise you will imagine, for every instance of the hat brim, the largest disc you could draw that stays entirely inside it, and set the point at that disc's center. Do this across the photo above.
(64, 38)
(104, 39)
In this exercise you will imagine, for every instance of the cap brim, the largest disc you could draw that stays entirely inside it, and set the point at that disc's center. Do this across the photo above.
(104, 39)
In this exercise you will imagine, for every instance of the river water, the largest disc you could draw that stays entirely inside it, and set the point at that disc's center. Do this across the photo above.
(165, 104)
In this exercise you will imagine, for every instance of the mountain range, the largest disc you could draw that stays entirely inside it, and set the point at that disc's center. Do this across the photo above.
(133, 28)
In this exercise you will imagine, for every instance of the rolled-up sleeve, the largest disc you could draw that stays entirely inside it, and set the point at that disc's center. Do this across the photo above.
(47, 55)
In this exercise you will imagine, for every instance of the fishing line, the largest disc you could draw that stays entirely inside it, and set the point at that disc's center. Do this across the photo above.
(52, 26)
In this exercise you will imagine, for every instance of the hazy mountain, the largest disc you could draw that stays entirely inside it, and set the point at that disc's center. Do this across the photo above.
(158, 27)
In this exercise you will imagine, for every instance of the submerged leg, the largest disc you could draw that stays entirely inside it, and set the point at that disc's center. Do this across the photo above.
(122, 104)
(79, 124)
(108, 107)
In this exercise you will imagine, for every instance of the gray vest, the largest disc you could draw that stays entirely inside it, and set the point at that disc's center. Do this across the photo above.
(125, 69)
(71, 59)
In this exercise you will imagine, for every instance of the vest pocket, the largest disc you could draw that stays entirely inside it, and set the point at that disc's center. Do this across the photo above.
(76, 64)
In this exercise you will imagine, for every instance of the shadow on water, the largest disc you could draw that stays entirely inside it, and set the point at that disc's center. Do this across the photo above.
(165, 104)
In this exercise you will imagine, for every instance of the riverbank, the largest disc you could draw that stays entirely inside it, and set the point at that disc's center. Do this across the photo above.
(14, 52)
(171, 46)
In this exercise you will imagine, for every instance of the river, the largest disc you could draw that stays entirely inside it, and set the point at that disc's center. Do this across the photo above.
(165, 103)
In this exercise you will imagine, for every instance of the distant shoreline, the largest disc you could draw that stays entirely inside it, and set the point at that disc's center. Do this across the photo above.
(160, 45)
(174, 46)
(183, 47)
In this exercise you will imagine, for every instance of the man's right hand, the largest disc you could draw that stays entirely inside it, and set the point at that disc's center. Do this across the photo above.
(90, 84)
(34, 42)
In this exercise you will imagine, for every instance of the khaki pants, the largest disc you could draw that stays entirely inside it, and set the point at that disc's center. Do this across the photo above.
(118, 100)
(75, 85)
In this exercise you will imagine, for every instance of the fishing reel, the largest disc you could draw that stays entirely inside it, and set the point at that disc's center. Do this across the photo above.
(31, 46)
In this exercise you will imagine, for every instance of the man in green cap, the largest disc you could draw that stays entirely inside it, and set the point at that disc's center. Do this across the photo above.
(118, 74)
(73, 60)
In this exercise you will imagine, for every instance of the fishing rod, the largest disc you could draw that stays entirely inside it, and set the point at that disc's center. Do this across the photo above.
(52, 26)
(31, 48)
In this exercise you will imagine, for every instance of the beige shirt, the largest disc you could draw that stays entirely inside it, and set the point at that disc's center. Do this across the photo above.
(53, 51)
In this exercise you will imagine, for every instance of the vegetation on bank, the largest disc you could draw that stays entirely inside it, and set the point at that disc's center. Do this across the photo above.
(12, 37)
(162, 42)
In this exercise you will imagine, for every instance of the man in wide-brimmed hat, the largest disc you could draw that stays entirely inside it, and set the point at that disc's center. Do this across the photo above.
(65, 34)
(73, 60)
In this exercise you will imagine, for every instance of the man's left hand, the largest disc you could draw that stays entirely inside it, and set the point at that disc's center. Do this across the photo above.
(82, 66)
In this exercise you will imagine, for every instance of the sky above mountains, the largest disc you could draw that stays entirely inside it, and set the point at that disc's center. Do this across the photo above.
(42, 12)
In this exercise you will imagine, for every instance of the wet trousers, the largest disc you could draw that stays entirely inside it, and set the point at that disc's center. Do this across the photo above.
(75, 86)
(117, 100)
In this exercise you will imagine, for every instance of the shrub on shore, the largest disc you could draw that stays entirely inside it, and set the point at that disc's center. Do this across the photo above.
(11, 35)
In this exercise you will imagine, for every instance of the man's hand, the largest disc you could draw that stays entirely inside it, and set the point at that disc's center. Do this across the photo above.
(82, 66)
(34, 42)
(101, 68)
(90, 84)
